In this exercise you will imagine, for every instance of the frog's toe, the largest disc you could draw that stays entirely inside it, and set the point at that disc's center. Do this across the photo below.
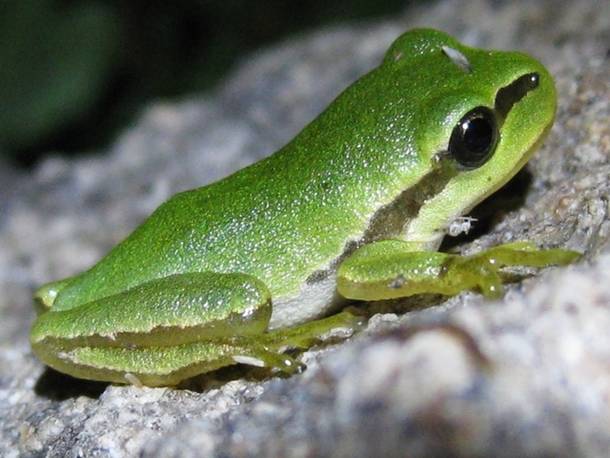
(526, 254)
(279, 362)
(490, 283)
(44, 297)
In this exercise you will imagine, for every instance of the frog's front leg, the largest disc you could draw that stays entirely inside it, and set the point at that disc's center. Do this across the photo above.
(391, 269)
(171, 329)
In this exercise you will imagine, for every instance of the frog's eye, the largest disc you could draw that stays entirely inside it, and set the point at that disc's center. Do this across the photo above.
(474, 138)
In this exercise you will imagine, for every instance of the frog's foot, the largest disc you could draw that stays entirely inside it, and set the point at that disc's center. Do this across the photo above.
(171, 329)
(483, 270)
(168, 366)
(255, 353)
(267, 350)
(391, 269)
(305, 335)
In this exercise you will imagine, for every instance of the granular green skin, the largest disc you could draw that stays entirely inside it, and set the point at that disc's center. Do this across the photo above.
(291, 214)
(354, 206)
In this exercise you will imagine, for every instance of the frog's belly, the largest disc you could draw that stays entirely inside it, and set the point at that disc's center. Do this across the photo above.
(313, 300)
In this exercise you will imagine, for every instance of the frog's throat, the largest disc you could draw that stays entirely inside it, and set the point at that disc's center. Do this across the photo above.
(429, 227)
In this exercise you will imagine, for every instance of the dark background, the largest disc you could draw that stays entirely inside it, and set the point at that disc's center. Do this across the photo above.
(73, 72)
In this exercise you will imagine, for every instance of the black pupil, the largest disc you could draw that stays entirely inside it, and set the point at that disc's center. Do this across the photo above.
(474, 138)
(477, 135)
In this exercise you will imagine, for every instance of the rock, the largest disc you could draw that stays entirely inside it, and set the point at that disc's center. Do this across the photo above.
(525, 375)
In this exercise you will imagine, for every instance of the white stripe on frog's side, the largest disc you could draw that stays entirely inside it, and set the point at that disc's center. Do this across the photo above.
(314, 300)
(318, 295)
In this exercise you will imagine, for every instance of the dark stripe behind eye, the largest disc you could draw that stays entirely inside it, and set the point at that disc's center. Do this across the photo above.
(515, 91)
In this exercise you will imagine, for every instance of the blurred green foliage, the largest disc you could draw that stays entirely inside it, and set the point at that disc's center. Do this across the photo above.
(54, 63)
(73, 72)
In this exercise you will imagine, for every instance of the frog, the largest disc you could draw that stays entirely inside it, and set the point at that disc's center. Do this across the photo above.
(353, 208)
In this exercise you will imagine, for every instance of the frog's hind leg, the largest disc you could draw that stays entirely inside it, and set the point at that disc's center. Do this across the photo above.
(160, 365)
(156, 330)
(168, 365)
(267, 350)
(172, 328)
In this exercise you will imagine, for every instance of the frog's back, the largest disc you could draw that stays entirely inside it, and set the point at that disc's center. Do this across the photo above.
(280, 219)
(294, 213)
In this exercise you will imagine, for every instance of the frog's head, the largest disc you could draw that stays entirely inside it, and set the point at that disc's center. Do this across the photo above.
(485, 113)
